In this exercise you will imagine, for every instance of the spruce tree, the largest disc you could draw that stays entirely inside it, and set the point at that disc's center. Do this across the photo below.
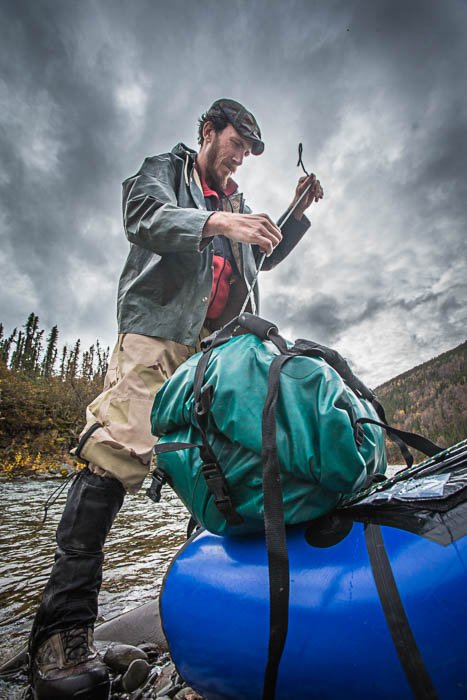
(51, 353)
(32, 346)
(63, 362)
(102, 360)
(5, 345)
(17, 354)
(73, 360)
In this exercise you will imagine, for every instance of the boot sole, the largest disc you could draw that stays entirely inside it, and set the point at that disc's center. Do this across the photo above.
(97, 692)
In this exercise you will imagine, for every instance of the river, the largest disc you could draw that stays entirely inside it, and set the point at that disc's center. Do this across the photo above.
(143, 540)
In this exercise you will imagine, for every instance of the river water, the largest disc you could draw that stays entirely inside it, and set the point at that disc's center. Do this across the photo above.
(142, 542)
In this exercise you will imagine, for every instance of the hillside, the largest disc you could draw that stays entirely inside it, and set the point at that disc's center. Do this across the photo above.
(430, 399)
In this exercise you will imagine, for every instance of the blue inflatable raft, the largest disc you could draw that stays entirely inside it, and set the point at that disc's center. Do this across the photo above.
(377, 599)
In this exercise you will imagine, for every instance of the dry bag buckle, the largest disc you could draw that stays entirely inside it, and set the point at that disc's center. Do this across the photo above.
(157, 482)
(203, 404)
(215, 482)
(217, 486)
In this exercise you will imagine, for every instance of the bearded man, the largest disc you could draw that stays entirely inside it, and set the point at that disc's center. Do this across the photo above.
(194, 250)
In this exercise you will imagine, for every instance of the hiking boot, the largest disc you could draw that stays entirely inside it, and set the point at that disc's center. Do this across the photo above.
(69, 601)
(67, 666)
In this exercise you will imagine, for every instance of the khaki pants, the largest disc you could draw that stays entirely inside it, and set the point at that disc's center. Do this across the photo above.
(122, 447)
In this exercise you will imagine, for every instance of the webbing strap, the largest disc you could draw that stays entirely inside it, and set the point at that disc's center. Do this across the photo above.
(418, 442)
(309, 348)
(213, 475)
(396, 617)
(274, 525)
(163, 447)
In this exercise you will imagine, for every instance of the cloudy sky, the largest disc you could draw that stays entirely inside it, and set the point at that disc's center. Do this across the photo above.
(375, 90)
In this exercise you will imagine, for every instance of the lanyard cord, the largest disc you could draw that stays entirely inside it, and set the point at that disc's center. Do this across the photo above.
(289, 214)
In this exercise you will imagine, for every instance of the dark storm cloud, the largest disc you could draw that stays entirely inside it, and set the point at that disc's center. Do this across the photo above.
(374, 90)
(326, 318)
(59, 126)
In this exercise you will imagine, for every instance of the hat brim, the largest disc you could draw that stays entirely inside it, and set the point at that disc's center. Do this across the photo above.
(257, 147)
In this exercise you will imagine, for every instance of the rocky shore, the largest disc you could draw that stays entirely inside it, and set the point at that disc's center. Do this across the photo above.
(137, 673)
(143, 673)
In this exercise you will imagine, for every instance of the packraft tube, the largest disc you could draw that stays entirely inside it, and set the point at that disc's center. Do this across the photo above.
(377, 602)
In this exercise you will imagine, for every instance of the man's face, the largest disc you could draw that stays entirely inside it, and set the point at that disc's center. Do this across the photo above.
(225, 151)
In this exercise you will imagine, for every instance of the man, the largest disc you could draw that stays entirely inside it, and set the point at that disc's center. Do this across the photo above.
(194, 249)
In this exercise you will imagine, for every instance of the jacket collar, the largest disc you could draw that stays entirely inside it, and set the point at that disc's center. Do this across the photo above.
(191, 175)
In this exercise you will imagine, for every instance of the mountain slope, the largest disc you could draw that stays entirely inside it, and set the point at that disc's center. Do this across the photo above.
(430, 399)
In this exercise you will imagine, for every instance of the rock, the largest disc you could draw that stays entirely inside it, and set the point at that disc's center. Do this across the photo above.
(188, 694)
(118, 657)
(136, 627)
(136, 674)
(149, 647)
(169, 682)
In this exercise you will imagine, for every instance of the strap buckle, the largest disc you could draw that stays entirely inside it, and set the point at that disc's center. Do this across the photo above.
(215, 482)
(218, 488)
(203, 404)
(158, 480)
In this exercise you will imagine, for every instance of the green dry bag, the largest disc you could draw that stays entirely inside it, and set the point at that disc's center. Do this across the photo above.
(323, 450)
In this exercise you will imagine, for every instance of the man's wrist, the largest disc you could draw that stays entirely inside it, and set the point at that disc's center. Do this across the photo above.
(296, 213)
(214, 224)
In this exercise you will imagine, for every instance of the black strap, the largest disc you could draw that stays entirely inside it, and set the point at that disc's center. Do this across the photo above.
(274, 525)
(266, 330)
(263, 329)
(309, 348)
(404, 438)
(211, 469)
(219, 337)
(193, 525)
(158, 479)
(396, 617)
(163, 447)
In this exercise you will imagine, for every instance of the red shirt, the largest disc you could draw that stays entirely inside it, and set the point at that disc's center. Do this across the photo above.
(222, 260)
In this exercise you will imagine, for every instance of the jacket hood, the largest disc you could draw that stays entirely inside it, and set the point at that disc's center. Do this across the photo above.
(188, 155)
(183, 151)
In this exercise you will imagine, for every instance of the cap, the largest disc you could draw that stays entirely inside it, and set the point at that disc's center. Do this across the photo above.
(242, 120)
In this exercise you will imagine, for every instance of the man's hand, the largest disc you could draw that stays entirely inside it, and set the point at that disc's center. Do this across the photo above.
(255, 229)
(314, 194)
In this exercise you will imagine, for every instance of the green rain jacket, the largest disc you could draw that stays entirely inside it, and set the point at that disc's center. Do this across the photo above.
(165, 285)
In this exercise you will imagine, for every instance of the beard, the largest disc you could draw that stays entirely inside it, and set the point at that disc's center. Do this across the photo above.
(214, 179)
